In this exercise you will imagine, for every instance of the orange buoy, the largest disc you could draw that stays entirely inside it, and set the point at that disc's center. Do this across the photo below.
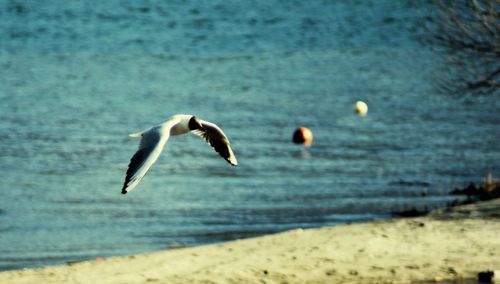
(302, 135)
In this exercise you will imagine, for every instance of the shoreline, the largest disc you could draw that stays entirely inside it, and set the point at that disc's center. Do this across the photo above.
(448, 244)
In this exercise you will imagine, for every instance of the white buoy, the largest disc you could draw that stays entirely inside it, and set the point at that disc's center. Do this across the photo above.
(361, 108)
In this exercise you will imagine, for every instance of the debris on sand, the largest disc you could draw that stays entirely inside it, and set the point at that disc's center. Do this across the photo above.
(488, 190)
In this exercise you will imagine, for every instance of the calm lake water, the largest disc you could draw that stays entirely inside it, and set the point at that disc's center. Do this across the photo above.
(76, 78)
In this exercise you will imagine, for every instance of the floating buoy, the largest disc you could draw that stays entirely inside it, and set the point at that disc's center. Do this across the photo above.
(302, 135)
(361, 108)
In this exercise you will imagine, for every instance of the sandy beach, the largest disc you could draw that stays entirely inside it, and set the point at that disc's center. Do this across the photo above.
(447, 244)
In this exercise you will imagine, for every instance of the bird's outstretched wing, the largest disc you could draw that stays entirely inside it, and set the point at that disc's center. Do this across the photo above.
(151, 145)
(218, 140)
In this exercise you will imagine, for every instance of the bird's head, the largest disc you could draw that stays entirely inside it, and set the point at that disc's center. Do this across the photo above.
(194, 123)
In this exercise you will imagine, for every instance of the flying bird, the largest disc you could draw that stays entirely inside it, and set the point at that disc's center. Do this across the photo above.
(154, 139)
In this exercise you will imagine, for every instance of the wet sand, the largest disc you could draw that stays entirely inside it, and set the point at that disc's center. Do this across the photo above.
(452, 243)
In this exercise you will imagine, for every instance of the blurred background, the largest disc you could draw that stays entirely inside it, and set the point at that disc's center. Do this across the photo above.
(77, 77)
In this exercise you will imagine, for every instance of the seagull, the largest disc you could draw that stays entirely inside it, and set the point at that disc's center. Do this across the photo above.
(154, 139)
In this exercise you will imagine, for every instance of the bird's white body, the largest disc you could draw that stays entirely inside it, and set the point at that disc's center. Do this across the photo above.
(175, 125)
(182, 127)
(154, 139)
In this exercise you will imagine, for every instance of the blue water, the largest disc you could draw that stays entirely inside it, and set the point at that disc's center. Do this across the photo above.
(76, 78)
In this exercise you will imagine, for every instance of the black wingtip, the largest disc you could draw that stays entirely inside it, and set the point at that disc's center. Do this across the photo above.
(124, 191)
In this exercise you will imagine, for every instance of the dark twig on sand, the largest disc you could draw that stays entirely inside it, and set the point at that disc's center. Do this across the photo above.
(488, 190)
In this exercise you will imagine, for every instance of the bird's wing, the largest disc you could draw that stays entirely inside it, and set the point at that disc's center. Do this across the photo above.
(151, 145)
(218, 140)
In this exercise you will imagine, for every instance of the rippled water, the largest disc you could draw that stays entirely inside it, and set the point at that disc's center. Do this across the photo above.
(75, 79)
